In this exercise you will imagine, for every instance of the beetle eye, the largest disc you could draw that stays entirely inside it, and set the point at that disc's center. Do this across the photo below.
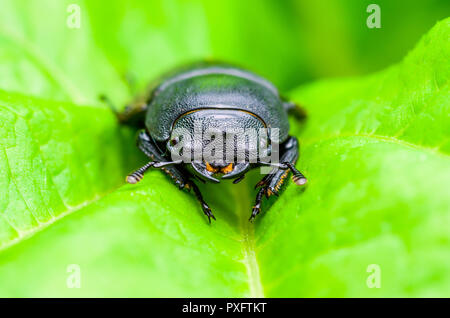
(174, 141)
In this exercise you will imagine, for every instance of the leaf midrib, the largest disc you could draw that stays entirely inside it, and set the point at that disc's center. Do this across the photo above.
(247, 230)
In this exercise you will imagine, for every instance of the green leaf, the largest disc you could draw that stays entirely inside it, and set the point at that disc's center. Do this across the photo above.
(45, 58)
(285, 41)
(53, 160)
(375, 150)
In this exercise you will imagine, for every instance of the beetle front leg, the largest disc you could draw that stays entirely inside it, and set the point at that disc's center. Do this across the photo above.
(257, 207)
(148, 146)
(205, 206)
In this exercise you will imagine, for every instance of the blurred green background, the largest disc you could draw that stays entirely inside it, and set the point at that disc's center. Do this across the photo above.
(290, 42)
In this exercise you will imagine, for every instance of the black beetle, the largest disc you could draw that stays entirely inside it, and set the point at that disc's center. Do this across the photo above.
(221, 97)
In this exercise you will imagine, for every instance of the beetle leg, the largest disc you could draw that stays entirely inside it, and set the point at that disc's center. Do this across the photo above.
(132, 115)
(239, 179)
(295, 110)
(199, 197)
(257, 207)
(147, 146)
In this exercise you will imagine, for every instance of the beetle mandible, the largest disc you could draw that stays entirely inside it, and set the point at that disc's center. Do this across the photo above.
(220, 97)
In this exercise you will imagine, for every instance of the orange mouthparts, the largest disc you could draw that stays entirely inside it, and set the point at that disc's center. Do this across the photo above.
(223, 170)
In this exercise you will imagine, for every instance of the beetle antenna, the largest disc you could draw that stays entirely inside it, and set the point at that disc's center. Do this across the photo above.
(297, 176)
(273, 164)
(167, 163)
(137, 175)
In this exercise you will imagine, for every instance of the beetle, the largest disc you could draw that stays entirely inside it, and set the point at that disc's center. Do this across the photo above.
(219, 96)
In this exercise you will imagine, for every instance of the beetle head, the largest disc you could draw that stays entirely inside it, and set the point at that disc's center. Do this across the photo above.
(218, 142)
